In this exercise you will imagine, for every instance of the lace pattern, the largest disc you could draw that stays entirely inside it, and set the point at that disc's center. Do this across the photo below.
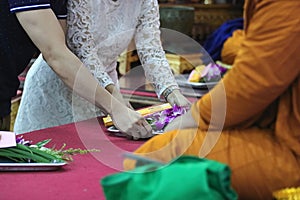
(98, 32)
(98, 38)
(47, 102)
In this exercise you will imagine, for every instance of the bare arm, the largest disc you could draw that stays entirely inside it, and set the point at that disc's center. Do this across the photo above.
(63, 24)
(45, 31)
(47, 34)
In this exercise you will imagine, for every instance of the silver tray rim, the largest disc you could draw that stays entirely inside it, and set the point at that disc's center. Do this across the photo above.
(117, 132)
(31, 166)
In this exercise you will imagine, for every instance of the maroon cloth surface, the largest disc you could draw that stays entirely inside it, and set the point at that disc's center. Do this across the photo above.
(79, 179)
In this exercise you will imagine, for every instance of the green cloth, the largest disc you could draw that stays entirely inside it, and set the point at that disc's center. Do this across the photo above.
(187, 177)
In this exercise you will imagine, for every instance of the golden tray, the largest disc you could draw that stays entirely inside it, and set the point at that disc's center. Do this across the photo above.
(144, 111)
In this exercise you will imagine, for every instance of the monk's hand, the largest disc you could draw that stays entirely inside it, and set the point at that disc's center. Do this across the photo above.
(184, 121)
(175, 97)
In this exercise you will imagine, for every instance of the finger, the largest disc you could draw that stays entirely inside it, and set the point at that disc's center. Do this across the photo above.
(144, 131)
(129, 137)
(148, 128)
(140, 122)
(135, 132)
(135, 138)
(144, 124)
(132, 135)
(141, 129)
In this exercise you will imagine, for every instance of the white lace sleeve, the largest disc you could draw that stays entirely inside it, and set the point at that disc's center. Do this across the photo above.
(81, 40)
(149, 48)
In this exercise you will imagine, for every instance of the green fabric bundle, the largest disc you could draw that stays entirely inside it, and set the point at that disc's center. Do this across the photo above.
(187, 177)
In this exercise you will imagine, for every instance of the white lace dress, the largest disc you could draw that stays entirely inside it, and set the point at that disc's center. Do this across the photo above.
(98, 32)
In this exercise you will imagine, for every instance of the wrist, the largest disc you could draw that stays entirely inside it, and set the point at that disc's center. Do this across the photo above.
(168, 91)
(110, 88)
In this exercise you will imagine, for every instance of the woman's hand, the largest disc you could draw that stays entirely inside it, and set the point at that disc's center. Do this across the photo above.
(126, 119)
(182, 122)
(176, 98)
(131, 123)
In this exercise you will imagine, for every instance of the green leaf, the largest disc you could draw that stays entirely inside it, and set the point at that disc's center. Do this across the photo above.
(42, 143)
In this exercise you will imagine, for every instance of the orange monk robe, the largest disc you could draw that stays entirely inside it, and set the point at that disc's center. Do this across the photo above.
(257, 107)
(231, 46)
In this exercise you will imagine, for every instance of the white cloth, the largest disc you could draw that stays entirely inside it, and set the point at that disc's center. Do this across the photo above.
(101, 33)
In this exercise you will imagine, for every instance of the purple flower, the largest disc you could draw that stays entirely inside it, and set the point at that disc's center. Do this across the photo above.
(211, 71)
(161, 119)
(159, 125)
(222, 69)
(21, 140)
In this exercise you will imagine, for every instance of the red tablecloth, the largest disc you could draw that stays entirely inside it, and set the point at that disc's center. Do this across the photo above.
(81, 178)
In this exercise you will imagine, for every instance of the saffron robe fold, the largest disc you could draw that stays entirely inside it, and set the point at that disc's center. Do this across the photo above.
(254, 112)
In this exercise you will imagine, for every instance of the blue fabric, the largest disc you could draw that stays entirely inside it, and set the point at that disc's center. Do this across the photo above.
(214, 43)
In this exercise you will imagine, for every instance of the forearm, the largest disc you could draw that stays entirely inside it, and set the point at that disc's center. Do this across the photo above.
(150, 49)
(77, 77)
(45, 31)
(51, 42)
